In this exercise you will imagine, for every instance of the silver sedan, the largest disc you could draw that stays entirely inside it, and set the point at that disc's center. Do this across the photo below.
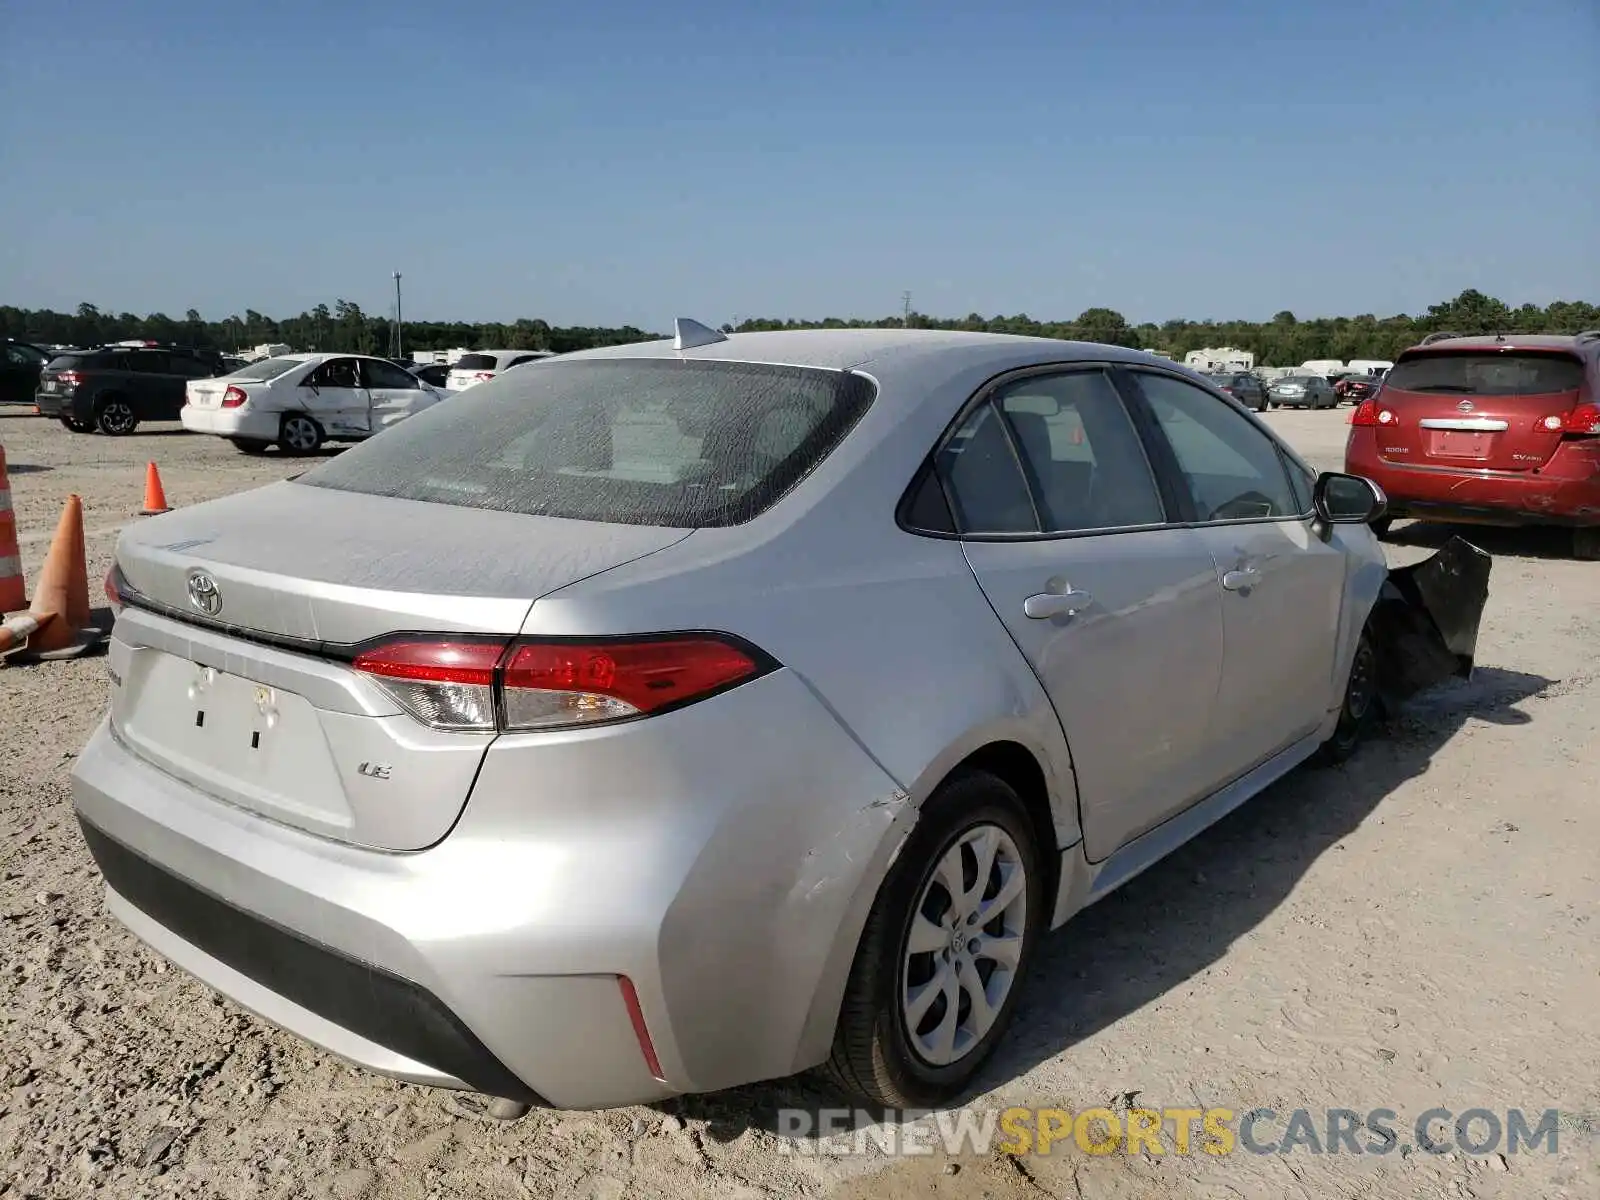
(673, 716)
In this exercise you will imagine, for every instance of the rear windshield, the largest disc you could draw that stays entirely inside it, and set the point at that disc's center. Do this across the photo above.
(477, 362)
(1526, 373)
(67, 362)
(638, 442)
(268, 368)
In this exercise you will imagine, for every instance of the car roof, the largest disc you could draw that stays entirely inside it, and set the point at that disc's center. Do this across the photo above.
(891, 350)
(1508, 341)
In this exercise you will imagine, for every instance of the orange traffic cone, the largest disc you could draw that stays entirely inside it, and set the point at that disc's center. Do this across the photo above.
(155, 496)
(62, 599)
(13, 595)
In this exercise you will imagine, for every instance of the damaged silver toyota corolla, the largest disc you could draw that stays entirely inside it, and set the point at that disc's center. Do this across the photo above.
(673, 716)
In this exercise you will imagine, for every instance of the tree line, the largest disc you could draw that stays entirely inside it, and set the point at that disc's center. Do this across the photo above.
(1285, 340)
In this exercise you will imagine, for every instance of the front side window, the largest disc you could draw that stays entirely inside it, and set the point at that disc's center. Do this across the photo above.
(1232, 469)
(1081, 452)
(633, 441)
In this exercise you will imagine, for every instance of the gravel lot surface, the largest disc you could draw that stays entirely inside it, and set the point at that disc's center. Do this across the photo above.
(1415, 930)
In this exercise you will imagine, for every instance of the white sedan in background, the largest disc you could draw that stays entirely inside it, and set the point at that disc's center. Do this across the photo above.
(480, 366)
(299, 401)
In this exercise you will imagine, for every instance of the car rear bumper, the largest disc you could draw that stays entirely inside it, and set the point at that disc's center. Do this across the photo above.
(231, 422)
(1564, 491)
(730, 895)
(52, 404)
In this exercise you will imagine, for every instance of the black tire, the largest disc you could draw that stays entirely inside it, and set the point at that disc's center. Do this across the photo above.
(250, 445)
(1361, 707)
(114, 415)
(299, 435)
(873, 1060)
(1586, 544)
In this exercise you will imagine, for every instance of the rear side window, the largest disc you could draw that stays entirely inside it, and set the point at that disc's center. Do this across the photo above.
(639, 442)
(1487, 373)
(1084, 461)
(268, 368)
(477, 362)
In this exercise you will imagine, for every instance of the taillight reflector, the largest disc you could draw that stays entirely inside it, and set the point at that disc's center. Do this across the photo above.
(550, 684)
(234, 398)
(113, 591)
(630, 1000)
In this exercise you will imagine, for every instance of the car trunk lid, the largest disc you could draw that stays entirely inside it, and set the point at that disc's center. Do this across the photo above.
(1490, 409)
(231, 660)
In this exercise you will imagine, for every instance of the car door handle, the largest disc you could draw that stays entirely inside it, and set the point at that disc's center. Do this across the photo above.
(1241, 579)
(1056, 604)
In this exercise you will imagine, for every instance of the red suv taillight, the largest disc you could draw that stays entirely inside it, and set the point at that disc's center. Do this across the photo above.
(528, 684)
(483, 375)
(1582, 421)
(1369, 415)
(68, 379)
(234, 398)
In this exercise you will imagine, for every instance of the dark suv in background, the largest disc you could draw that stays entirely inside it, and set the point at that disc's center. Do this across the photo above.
(113, 388)
(1244, 387)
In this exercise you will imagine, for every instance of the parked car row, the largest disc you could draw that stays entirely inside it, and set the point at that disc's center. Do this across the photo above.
(295, 401)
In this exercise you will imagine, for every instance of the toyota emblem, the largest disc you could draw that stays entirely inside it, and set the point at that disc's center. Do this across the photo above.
(204, 594)
(1464, 406)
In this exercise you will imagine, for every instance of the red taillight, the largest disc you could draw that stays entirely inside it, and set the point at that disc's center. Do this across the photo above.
(234, 398)
(69, 379)
(113, 592)
(1582, 421)
(1369, 415)
(482, 375)
(572, 683)
(530, 685)
(444, 684)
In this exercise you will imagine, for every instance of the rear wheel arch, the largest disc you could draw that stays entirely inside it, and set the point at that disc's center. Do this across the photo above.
(1020, 768)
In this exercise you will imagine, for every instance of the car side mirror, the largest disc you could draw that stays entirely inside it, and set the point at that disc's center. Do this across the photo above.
(1340, 499)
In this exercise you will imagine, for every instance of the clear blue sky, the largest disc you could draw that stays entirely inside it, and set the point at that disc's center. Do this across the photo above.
(612, 161)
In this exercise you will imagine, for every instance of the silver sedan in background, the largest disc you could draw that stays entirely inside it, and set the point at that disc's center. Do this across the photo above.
(1302, 391)
(673, 716)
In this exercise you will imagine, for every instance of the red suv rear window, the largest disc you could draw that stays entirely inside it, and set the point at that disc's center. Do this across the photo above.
(1487, 373)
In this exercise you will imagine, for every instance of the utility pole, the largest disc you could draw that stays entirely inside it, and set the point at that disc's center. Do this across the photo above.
(905, 306)
(399, 324)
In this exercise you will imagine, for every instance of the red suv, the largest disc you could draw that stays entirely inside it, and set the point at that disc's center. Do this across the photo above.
(1497, 430)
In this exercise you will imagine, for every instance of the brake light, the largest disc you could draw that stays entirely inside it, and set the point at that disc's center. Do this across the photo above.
(482, 375)
(113, 591)
(1582, 421)
(69, 379)
(234, 398)
(476, 685)
(443, 684)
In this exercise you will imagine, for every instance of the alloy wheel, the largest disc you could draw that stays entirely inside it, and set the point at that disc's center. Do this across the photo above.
(964, 945)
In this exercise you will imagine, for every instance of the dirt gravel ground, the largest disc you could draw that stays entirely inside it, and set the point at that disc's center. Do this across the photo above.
(1415, 930)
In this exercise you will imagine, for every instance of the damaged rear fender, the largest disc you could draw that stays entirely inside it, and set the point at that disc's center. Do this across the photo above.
(1424, 624)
